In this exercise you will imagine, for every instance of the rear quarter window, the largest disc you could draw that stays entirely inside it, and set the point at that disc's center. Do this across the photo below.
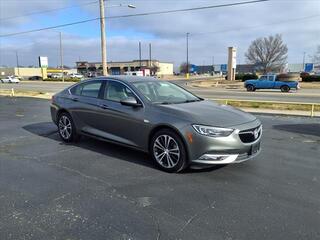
(76, 90)
(89, 89)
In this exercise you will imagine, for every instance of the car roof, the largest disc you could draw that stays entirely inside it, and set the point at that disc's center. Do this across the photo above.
(125, 78)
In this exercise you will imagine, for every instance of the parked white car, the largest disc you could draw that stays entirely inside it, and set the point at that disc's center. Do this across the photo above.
(55, 75)
(10, 79)
(75, 75)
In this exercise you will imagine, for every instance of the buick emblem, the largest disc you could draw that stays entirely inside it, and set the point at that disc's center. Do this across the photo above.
(256, 133)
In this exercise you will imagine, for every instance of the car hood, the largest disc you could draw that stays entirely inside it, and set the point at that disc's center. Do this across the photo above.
(209, 113)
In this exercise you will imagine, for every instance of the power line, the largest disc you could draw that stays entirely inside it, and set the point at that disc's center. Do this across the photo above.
(48, 28)
(188, 9)
(47, 11)
(257, 26)
(135, 15)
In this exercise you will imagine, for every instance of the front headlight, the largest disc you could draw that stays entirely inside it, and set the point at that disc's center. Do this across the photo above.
(212, 131)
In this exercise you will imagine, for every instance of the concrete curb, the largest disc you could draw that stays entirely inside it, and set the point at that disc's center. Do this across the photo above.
(287, 113)
(270, 112)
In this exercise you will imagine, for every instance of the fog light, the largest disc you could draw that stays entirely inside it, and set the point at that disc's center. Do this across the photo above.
(212, 157)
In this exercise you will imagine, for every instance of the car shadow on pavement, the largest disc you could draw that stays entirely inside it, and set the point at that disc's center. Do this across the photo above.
(307, 129)
(49, 130)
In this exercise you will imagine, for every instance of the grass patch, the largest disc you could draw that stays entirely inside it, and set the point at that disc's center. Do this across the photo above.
(274, 106)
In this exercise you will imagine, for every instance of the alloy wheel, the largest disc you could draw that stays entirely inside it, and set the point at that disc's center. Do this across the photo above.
(166, 151)
(65, 127)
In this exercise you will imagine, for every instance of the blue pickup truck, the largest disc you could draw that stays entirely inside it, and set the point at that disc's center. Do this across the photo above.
(270, 82)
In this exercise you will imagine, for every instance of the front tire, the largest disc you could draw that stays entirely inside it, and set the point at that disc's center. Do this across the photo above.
(66, 128)
(168, 151)
(285, 88)
(250, 88)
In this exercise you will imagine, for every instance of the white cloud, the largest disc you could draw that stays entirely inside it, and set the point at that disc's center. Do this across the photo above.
(167, 32)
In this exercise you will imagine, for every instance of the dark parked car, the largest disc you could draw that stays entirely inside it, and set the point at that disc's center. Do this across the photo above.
(176, 127)
(35, 78)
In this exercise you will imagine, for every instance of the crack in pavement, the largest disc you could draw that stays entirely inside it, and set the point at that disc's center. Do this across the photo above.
(193, 217)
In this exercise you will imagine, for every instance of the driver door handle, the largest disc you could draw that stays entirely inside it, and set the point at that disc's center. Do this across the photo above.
(104, 106)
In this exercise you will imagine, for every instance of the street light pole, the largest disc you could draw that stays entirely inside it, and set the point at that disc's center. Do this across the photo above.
(188, 55)
(140, 63)
(304, 60)
(103, 34)
(61, 57)
(17, 59)
(103, 40)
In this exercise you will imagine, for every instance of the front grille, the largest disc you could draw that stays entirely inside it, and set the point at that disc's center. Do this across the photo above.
(250, 135)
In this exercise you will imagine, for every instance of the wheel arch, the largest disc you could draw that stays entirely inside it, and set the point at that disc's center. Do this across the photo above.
(60, 111)
(171, 128)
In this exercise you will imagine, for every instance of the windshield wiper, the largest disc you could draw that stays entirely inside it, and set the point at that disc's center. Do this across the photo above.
(194, 100)
(163, 103)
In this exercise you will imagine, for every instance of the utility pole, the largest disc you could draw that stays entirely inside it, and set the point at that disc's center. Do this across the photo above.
(103, 40)
(303, 61)
(140, 55)
(212, 63)
(17, 59)
(61, 57)
(188, 55)
(150, 55)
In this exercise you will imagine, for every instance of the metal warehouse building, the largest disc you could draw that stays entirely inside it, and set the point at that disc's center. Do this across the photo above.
(119, 68)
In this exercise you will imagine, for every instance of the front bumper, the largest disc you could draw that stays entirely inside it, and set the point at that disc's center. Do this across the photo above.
(224, 150)
(227, 158)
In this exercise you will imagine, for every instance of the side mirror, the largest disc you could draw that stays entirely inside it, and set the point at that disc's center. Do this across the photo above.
(130, 101)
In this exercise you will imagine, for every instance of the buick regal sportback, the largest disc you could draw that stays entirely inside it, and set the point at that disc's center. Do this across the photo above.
(176, 127)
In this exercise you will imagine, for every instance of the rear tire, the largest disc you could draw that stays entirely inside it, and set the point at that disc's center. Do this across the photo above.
(285, 88)
(168, 151)
(66, 128)
(250, 88)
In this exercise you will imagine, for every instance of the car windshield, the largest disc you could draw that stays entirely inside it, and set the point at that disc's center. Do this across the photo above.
(161, 92)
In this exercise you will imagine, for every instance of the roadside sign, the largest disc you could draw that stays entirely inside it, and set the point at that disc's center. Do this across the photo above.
(193, 68)
(234, 58)
(308, 67)
(43, 62)
(224, 67)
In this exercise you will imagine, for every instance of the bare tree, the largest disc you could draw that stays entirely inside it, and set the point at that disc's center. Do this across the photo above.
(268, 53)
(184, 68)
(154, 69)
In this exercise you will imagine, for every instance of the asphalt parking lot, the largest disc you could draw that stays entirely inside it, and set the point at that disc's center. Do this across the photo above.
(96, 190)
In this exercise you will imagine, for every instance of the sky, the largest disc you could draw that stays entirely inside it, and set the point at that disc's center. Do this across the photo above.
(212, 31)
